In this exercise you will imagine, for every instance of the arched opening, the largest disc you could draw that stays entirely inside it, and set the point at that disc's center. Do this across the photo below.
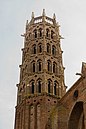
(48, 48)
(40, 32)
(39, 86)
(54, 67)
(34, 49)
(55, 87)
(39, 48)
(49, 66)
(35, 33)
(47, 32)
(49, 86)
(34, 67)
(39, 65)
(32, 85)
(76, 120)
(52, 34)
(53, 50)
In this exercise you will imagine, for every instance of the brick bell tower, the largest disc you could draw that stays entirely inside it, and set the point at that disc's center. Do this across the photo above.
(41, 74)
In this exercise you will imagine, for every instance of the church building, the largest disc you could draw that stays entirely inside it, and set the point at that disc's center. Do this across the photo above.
(42, 99)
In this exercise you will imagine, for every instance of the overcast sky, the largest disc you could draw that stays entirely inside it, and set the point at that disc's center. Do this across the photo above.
(71, 15)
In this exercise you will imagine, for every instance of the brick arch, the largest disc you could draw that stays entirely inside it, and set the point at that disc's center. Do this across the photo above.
(76, 119)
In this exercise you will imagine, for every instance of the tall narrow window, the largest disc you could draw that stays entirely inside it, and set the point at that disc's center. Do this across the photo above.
(32, 87)
(48, 48)
(40, 32)
(39, 86)
(55, 85)
(53, 50)
(47, 32)
(49, 84)
(35, 33)
(49, 66)
(39, 65)
(33, 67)
(52, 33)
(40, 48)
(34, 49)
(54, 67)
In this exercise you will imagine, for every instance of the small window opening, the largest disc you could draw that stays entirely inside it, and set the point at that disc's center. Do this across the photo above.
(39, 66)
(39, 86)
(47, 33)
(53, 50)
(34, 49)
(34, 67)
(40, 48)
(32, 87)
(55, 85)
(40, 32)
(49, 66)
(35, 34)
(53, 68)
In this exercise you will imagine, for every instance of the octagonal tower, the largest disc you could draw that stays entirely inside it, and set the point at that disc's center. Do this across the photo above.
(41, 73)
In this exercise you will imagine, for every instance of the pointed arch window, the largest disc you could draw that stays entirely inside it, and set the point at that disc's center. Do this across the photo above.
(35, 33)
(32, 87)
(52, 34)
(33, 66)
(39, 65)
(47, 32)
(48, 48)
(53, 50)
(34, 49)
(55, 87)
(39, 86)
(54, 67)
(39, 48)
(49, 66)
(40, 32)
(49, 83)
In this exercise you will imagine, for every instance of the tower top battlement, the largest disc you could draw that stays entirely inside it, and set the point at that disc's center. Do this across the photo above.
(42, 18)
